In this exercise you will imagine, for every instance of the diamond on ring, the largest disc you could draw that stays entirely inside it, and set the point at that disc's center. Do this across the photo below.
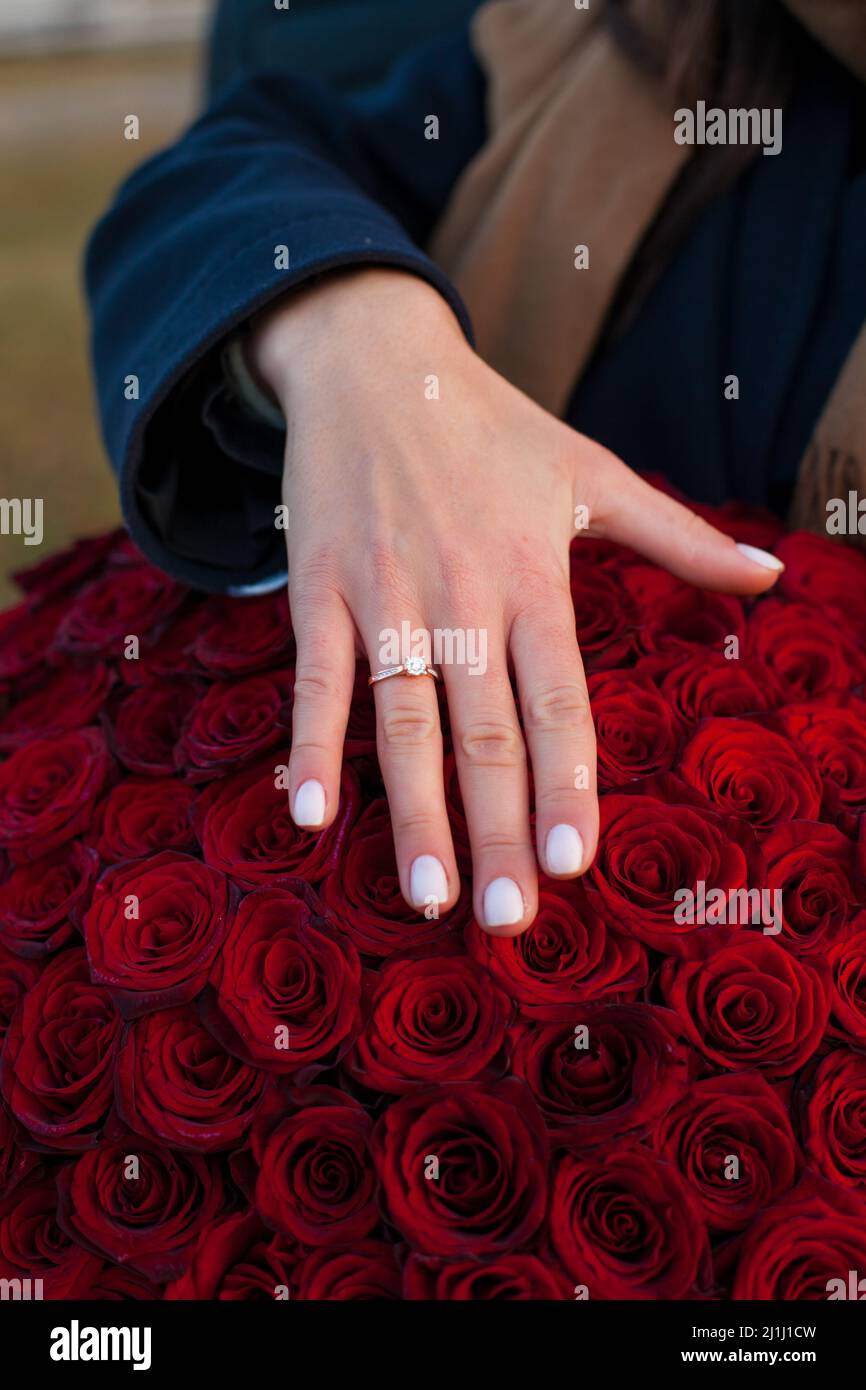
(412, 666)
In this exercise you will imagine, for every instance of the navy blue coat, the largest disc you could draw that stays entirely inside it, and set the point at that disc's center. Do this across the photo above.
(770, 285)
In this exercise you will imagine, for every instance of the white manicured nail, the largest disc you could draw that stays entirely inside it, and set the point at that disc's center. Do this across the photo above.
(309, 807)
(563, 850)
(503, 903)
(427, 880)
(760, 557)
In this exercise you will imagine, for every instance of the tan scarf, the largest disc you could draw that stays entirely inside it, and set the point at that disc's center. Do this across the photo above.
(567, 113)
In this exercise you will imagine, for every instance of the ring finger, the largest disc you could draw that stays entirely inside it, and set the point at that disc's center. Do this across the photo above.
(409, 740)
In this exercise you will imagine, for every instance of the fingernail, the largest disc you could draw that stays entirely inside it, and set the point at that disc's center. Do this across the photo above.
(563, 850)
(427, 880)
(309, 807)
(503, 903)
(760, 557)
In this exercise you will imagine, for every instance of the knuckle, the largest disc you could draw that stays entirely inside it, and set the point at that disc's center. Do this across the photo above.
(492, 744)
(558, 798)
(539, 598)
(535, 582)
(497, 841)
(410, 823)
(695, 534)
(302, 746)
(558, 707)
(384, 565)
(699, 529)
(314, 683)
(387, 574)
(407, 726)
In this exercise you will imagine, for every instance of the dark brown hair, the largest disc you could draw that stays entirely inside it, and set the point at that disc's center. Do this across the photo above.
(729, 53)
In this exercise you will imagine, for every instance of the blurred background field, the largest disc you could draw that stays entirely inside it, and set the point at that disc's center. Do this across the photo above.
(70, 71)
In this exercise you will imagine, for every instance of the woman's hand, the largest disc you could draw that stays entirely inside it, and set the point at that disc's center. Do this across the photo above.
(422, 488)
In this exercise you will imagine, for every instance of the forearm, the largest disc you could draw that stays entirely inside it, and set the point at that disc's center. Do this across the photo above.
(261, 196)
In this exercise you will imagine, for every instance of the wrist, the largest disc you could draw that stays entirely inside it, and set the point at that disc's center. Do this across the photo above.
(327, 324)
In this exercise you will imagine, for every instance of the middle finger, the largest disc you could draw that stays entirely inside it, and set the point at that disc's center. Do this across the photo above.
(491, 765)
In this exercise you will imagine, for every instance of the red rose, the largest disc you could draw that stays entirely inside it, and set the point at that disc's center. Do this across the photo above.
(366, 1273)
(625, 1225)
(743, 522)
(154, 928)
(800, 649)
(510, 1278)
(125, 602)
(636, 728)
(834, 1118)
(360, 741)
(701, 684)
(362, 892)
(112, 1283)
(16, 978)
(238, 1259)
(651, 851)
(286, 987)
(749, 771)
(676, 615)
(317, 1183)
(605, 615)
(125, 553)
(176, 1082)
(235, 722)
(140, 1205)
(40, 901)
(433, 1017)
(57, 573)
(26, 634)
(48, 791)
(57, 1065)
(848, 963)
(591, 552)
(464, 1170)
(609, 1076)
(145, 725)
(143, 815)
(245, 828)
(797, 1247)
(825, 574)
(814, 867)
(384, 1088)
(32, 1246)
(747, 1002)
(170, 654)
(834, 737)
(66, 699)
(15, 1161)
(457, 815)
(725, 1117)
(569, 956)
(242, 635)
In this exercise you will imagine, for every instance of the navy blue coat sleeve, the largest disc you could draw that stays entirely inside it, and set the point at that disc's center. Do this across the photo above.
(191, 248)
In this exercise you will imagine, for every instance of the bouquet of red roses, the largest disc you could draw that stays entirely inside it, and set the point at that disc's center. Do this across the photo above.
(235, 1065)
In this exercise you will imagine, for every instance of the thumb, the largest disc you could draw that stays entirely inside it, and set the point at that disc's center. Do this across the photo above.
(636, 514)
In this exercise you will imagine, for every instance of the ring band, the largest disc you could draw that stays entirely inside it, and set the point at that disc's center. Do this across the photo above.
(413, 666)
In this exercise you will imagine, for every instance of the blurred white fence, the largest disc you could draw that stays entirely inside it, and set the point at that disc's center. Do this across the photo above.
(46, 25)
